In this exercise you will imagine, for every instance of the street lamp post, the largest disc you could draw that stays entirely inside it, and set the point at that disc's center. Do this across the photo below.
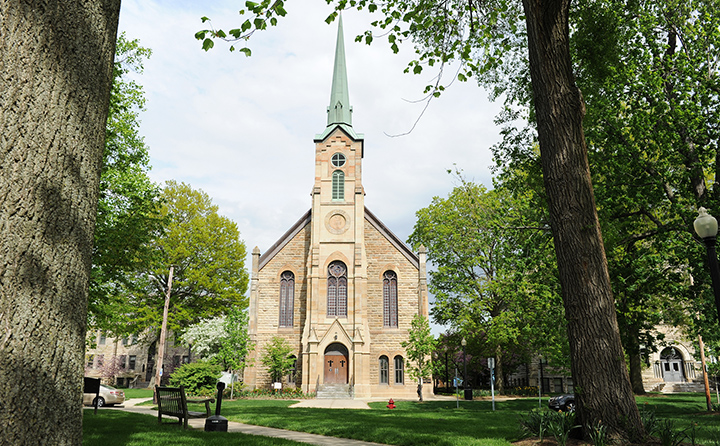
(706, 227)
(466, 387)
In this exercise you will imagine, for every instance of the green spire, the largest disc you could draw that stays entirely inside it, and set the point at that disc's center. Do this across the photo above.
(339, 111)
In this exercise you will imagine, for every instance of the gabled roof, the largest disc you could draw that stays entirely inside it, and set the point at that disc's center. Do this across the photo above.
(392, 238)
(285, 239)
(369, 216)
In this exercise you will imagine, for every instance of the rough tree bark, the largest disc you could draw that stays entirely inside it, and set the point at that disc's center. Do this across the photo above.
(55, 73)
(602, 385)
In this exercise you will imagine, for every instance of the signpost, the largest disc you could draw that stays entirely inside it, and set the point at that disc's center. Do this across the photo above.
(457, 382)
(491, 366)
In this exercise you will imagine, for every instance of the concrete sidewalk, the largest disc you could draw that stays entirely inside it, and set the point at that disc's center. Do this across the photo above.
(302, 437)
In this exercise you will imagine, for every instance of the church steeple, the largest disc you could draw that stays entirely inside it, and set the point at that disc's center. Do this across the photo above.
(339, 111)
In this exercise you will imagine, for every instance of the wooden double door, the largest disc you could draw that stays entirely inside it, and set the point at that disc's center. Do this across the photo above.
(336, 364)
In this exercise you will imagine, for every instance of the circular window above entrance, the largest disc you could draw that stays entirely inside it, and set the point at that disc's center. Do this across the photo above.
(337, 222)
(338, 160)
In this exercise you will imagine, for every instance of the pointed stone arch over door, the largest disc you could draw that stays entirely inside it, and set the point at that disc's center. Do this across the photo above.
(336, 364)
(672, 365)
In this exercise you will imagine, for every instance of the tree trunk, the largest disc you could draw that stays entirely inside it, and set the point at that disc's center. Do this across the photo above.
(499, 374)
(632, 347)
(602, 385)
(55, 73)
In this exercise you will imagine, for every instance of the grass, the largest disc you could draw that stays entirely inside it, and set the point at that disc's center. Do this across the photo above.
(117, 428)
(432, 423)
(137, 393)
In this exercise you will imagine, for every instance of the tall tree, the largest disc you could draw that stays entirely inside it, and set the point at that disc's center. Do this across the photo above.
(55, 76)
(654, 137)
(494, 280)
(208, 259)
(128, 217)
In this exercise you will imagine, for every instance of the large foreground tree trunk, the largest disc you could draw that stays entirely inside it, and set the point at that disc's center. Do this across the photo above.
(55, 73)
(602, 385)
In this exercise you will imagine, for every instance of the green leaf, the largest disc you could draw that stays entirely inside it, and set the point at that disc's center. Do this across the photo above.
(246, 25)
(200, 35)
(204, 19)
(417, 69)
(246, 51)
(207, 44)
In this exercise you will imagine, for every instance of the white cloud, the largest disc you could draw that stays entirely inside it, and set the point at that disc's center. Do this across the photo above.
(242, 128)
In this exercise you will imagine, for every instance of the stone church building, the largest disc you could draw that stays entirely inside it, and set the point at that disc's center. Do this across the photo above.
(338, 286)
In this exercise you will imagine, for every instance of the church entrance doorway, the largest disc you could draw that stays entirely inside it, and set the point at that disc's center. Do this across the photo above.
(336, 364)
(672, 365)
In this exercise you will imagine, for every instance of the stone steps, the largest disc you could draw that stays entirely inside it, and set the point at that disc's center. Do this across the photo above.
(334, 391)
(683, 387)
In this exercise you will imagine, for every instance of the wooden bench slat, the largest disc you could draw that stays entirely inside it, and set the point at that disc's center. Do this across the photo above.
(173, 402)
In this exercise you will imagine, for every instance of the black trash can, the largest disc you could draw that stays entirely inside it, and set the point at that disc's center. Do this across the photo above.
(216, 423)
(468, 394)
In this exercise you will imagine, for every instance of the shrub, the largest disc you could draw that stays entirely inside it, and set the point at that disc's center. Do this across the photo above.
(669, 436)
(199, 378)
(535, 423)
(649, 420)
(597, 433)
(560, 424)
(521, 391)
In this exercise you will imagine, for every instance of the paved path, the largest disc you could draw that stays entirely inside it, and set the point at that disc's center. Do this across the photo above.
(302, 437)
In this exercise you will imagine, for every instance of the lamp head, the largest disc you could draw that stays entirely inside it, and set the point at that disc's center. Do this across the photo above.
(706, 225)
(463, 342)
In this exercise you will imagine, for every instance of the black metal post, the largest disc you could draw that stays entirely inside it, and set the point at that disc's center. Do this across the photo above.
(217, 423)
(714, 270)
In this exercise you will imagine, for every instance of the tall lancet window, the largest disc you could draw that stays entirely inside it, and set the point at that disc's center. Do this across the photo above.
(337, 290)
(338, 185)
(287, 298)
(390, 301)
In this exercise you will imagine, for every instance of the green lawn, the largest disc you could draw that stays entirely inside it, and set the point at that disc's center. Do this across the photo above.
(430, 423)
(137, 393)
(117, 428)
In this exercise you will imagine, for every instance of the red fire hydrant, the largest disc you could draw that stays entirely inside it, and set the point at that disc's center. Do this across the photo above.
(391, 404)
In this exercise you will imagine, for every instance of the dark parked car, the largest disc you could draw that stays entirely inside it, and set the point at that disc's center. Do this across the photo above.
(565, 403)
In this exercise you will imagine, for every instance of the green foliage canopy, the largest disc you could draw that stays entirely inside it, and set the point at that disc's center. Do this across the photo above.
(209, 260)
(277, 358)
(419, 347)
(128, 216)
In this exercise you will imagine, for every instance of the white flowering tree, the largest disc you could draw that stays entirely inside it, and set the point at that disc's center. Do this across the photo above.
(223, 340)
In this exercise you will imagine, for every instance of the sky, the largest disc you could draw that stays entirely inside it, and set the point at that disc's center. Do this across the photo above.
(241, 128)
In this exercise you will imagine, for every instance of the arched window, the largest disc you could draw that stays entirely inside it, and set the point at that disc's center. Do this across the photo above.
(390, 302)
(384, 369)
(399, 370)
(337, 290)
(287, 298)
(338, 185)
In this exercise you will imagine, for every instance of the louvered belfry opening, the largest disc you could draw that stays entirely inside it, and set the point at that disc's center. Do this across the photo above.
(337, 289)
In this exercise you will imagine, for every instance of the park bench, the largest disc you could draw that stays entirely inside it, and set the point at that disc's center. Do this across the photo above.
(172, 402)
